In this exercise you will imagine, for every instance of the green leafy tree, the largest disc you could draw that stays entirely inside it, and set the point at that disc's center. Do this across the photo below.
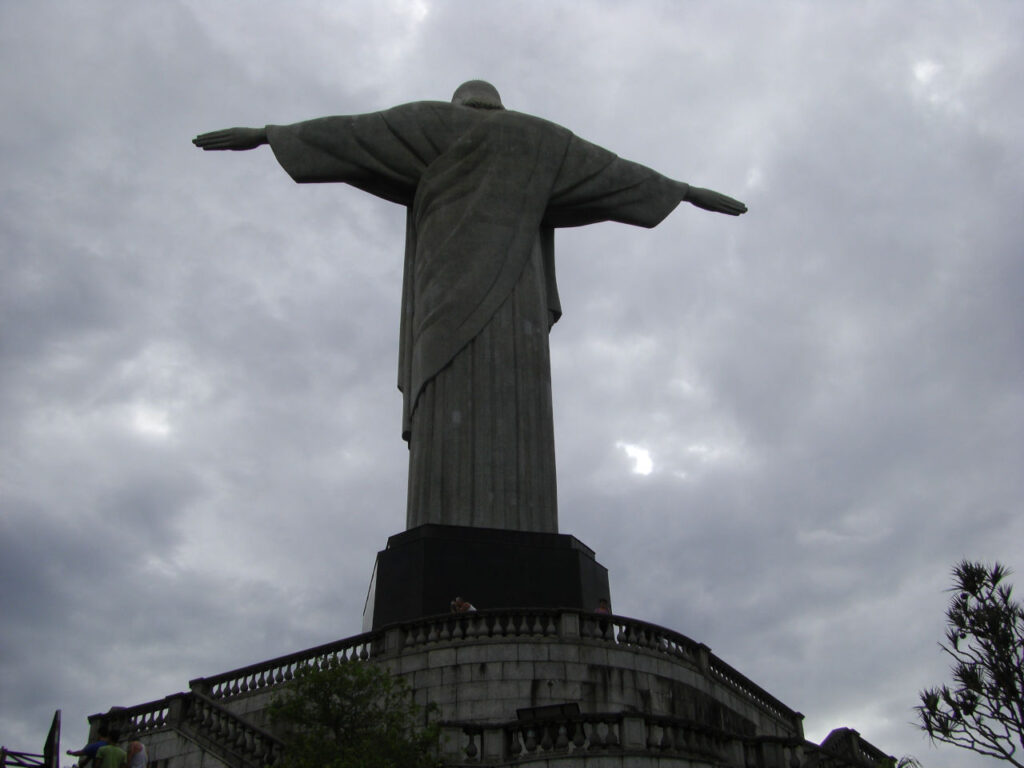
(984, 708)
(352, 715)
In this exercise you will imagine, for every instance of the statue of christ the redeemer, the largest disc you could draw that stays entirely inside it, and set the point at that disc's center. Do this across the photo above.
(484, 188)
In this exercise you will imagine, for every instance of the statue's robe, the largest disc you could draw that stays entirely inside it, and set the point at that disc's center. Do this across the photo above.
(484, 190)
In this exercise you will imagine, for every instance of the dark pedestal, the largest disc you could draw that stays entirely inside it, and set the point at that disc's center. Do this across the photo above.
(423, 569)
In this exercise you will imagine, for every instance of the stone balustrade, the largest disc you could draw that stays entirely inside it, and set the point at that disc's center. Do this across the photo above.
(251, 744)
(202, 718)
(141, 719)
(448, 630)
(267, 674)
(751, 691)
(477, 625)
(525, 741)
(439, 651)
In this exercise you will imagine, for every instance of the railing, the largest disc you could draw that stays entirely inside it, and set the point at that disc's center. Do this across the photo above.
(609, 733)
(196, 715)
(586, 733)
(8, 757)
(847, 744)
(639, 634)
(267, 674)
(448, 629)
(142, 718)
(475, 626)
(750, 690)
(253, 745)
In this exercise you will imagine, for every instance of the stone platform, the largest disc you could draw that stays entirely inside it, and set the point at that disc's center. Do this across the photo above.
(422, 569)
(517, 688)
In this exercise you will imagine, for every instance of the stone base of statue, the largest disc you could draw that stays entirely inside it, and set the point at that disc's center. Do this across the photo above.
(423, 569)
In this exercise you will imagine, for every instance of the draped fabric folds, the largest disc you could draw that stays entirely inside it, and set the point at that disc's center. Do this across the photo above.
(484, 189)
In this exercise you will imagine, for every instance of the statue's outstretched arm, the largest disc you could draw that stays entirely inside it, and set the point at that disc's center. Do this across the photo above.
(232, 138)
(713, 201)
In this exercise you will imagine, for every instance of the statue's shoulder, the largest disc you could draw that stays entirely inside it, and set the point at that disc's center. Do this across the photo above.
(537, 124)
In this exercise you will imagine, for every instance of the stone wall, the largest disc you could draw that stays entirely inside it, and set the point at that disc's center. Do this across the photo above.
(542, 687)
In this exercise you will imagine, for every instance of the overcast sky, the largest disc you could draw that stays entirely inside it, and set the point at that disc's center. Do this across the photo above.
(778, 432)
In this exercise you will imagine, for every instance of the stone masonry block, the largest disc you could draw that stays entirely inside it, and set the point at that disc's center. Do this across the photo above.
(483, 670)
(593, 654)
(457, 674)
(564, 652)
(517, 670)
(427, 678)
(575, 671)
(571, 690)
(470, 654)
(441, 657)
(411, 662)
(472, 691)
(502, 689)
(549, 670)
(533, 652)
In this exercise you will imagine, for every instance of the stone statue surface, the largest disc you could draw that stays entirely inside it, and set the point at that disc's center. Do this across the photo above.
(484, 188)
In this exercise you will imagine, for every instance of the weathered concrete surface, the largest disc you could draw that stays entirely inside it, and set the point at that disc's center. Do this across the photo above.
(485, 188)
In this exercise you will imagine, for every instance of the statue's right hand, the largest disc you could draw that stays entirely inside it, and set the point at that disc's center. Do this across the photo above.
(232, 138)
(713, 201)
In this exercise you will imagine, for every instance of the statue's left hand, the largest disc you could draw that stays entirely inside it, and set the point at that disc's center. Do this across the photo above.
(232, 138)
(713, 201)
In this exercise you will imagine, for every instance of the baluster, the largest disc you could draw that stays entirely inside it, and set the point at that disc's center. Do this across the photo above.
(546, 742)
(217, 726)
(538, 623)
(622, 636)
(579, 738)
(531, 740)
(652, 734)
(364, 652)
(666, 737)
(458, 629)
(596, 739)
(551, 628)
(613, 737)
(682, 738)
(503, 625)
(470, 749)
(515, 745)
(562, 740)
(432, 635)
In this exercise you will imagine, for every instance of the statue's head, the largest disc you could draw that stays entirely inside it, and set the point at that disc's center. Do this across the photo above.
(477, 93)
